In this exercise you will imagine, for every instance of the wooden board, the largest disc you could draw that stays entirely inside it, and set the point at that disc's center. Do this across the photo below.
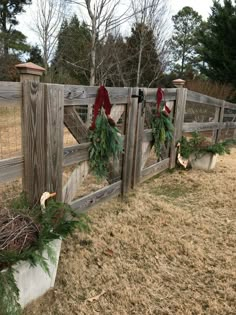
(54, 110)
(10, 93)
(76, 154)
(129, 146)
(75, 125)
(203, 99)
(85, 203)
(75, 180)
(84, 95)
(11, 169)
(150, 94)
(179, 111)
(154, 169)
(146, 149)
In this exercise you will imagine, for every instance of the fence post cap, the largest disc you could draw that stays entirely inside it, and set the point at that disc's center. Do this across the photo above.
(178, 83)
(30, 68)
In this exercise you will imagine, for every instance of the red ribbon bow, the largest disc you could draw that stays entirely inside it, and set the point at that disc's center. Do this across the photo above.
(102, 100)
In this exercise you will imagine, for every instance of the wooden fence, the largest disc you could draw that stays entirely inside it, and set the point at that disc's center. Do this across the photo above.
(47, 108)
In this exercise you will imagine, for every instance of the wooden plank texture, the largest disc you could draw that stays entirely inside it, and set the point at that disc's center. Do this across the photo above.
(151, 95)
(84, 95)
(138, 144)
(10, 93)
(74, 181)
(76, 154)
(11, 169)
(33, 140)
(54, 111)
(85, 203)
(190, 127)
(155, 169)
(230, 105)
(181, 95)
(75, 125)
(129, 147)
(203, 99)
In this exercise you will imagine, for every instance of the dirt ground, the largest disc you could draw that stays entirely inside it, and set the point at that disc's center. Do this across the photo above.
(169, 249)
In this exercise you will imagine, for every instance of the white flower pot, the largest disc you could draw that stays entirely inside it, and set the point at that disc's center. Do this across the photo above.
(204, 161)
(33, 282)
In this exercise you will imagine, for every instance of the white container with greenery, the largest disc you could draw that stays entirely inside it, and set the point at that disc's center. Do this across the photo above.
(201, 154)
(30, 242)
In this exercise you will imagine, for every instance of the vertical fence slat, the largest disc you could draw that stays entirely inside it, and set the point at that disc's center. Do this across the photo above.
(54, 115)
(181, 97)
(128, 161)
(138, 145)
(220, 120)
(33, 140)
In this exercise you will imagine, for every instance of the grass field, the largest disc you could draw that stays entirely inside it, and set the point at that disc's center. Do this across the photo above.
(168, 249)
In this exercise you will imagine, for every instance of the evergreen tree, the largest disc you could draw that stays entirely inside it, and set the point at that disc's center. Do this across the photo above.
(184, 41)
(71, 62)
(36, 56)
(218, 46)
(150, 67)
(9, 37)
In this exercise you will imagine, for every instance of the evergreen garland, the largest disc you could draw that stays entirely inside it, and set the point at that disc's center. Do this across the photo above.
(106, 144)
(56, 222)
(162, 130)
(198, 145)
(9, 294)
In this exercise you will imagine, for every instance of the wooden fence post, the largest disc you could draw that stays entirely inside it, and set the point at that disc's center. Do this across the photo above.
(138, 141)
(42, 134)
(220, 120)
(129, 147)
(181, 97)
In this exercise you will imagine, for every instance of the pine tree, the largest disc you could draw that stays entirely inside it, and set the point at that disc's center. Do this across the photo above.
(184, 40)
(71, 62)
(218, 47)
(9, 37)
(150, 67)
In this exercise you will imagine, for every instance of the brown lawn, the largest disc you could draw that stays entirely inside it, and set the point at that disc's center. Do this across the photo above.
(169, 249)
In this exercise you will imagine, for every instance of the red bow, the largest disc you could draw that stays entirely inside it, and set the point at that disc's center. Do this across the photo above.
(102, 100)
(160, 95)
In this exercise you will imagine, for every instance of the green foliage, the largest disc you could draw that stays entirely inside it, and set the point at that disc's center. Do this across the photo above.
(198, 145)
(142, 40)
(217, 47)
(71, 62)
(36, 56)
(57, 221)
(9, 294)
(162, 130)
(106, 144)
(184, 41)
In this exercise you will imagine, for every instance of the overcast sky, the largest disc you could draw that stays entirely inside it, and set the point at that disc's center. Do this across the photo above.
(201, 6)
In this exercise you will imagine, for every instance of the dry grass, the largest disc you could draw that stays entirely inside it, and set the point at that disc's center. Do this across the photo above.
(169, 249)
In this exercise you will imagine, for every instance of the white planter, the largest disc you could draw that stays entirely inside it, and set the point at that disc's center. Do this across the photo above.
(33, 282)
(205, 161)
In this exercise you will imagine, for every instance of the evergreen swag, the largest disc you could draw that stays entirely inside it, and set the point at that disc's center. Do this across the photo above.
(56, 222)
(106, 144)
(198, 145)
(162, 127)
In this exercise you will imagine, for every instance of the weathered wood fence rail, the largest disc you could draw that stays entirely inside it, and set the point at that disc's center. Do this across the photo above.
(46, 108)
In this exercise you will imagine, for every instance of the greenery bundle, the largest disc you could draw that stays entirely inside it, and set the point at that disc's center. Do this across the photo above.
(162, 130)
(198, 145)
(55, 222)
(106, 144)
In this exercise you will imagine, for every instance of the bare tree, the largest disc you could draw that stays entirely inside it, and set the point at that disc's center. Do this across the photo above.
(48, 17)
(101, 19)
(150, 15)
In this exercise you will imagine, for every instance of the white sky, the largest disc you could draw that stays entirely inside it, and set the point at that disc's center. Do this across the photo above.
(201, 6)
